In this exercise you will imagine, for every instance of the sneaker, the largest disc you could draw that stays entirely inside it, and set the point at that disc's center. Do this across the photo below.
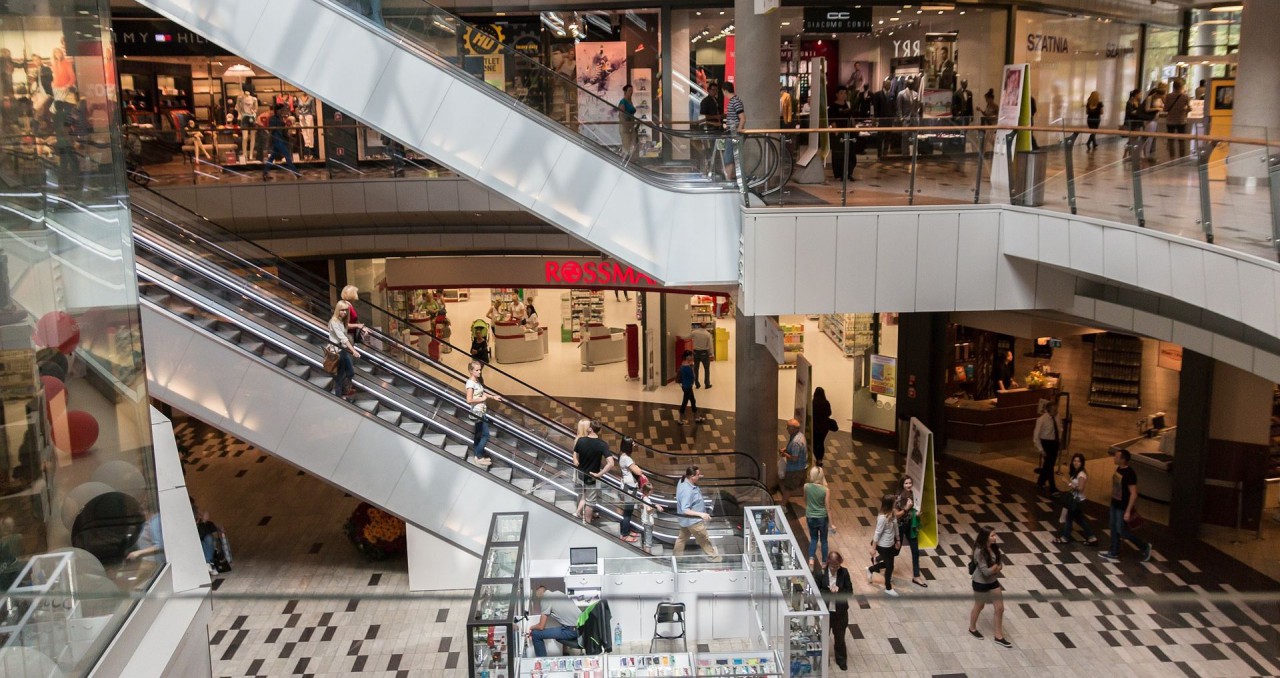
(891, 593)
(976, 634)
(1146, 553)
(700, 420)
(870, 575)
(213, 571)
(1003, 642)
(484, 461)
(1111, 556)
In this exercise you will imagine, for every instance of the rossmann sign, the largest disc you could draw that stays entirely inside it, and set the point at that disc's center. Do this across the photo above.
(576, 272)
(513, 271)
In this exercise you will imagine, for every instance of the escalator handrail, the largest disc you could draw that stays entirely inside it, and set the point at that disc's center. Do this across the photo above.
(409, 350)
(236, 286)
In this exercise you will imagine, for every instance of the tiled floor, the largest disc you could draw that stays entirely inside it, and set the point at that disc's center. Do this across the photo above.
(1066, 612)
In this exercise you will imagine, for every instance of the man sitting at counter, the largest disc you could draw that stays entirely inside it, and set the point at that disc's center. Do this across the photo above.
(559, 620)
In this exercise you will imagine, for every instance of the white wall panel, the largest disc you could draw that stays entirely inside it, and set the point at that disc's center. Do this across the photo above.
(227, 23)
(318, 434)
(1054, 288)
(461, 134)
(1120, 256)
(977, 255)
(1114, 315)
(1152, 325)
(1086, 247)
(407, 97)
(775, 275)
(307, 27)
(164, 343)
(436, 565)
(210, 375)
(349, 67)
(575, 193)
(375, 459)
(816, 256)
(1233, 352)
(1222, 285)
(1266, 365)
(521, 158)
(856, 251)
(936, 253)
(1194, 338)
(264, 403)
(1257, 292)
(1085, 307)
(1188, 280)
(1054, 241)
(1155, 272)
(1020, 234)
(896, 234)
(1015, 283)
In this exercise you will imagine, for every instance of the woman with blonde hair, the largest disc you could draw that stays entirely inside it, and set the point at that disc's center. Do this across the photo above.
(351, 295)
(816, 499)
(477, 397)
(338, 337)
(1093, 117)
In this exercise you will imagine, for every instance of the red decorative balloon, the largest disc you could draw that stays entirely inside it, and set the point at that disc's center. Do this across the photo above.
(56, 329)
(82, 428)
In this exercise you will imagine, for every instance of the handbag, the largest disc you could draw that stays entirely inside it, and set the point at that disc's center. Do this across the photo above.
(331, 354)
(1135, 520)
(478, 411)
(833, 425)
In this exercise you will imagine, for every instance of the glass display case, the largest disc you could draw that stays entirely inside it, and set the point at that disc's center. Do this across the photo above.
(737, 664)
(649, 665)
(792, 614)
(563, 667)
(493, 640)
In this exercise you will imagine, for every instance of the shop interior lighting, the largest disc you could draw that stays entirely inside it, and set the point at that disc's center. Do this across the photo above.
(938, 7)
(239, 71)
(1227, 8)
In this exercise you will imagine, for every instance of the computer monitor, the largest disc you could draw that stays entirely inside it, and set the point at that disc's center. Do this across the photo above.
(585, 555)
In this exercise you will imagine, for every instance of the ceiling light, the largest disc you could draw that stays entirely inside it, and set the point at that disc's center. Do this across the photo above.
(786, 23)
(698, 13)
(893, 18)
(722, 12)
(1227, 8)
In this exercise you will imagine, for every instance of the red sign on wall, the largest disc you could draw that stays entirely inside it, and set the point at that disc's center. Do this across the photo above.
(595, 273)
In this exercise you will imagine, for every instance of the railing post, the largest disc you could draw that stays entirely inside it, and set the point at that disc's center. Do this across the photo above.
(1010, 140)
(782, 140)
(844, 171)
(1203, 151)
(1069, 145)
(1273, 176)
(915, 158)
(982, 156)
(1135, 162)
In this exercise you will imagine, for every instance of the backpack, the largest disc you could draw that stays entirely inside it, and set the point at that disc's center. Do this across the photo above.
(594, 628)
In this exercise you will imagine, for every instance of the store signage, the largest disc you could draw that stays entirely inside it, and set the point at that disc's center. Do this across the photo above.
(1039, 42)
(595, 273)
(481, 39)
(1115, 51)
(159, 37)
(1170, 356)
(884, 375)
(906, 48)
(837, 19)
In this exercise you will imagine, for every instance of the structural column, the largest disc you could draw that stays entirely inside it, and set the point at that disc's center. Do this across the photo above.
(922, 355)
(1257, 106)
(755, 400)
(757, 46)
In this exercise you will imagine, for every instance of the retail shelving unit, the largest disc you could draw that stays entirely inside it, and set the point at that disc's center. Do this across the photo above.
(507, 297)
(578, 308)
(1117, 372)
(792, 343)
(563, 667)
(737, 664)
(648, 665)
(493, 640)
(702, 309)
(851, 332)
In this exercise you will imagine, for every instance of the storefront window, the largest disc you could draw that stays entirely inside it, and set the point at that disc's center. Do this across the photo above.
(78, 502)
(1163, 46)
(1214, 32)
(1072, 56)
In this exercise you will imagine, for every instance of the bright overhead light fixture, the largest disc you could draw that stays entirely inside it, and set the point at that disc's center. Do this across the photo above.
(1227, 8)
(938, 7)
(786, 23)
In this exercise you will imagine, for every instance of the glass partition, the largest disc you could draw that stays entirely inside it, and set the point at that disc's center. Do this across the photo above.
(78, 501)
(792, 614)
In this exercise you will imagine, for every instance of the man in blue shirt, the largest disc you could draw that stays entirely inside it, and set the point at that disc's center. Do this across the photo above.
(627, 127)
(691, 512)
(687, 379)
(794, 460)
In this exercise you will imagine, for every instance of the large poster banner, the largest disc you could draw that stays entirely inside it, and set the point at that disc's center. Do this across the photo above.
(804, 394)
(941, 60)
(1011, 94)
(884, 375)
(642, 99)
(601, 73)
(924, 484)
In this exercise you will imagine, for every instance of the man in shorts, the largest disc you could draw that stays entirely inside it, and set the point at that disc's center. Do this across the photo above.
(593, 460)
(793, 461)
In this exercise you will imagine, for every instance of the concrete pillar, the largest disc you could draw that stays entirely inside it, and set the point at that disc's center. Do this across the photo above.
(755, 400)
(1257, 105)
(758, 46)
(1186, 512)
(675, 88)
(922, 365)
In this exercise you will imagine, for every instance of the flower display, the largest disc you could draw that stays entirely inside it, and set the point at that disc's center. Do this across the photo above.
(1036, 380)
(376, 533)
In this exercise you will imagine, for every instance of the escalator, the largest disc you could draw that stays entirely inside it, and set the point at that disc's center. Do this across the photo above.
(555, 154)
(234, 337)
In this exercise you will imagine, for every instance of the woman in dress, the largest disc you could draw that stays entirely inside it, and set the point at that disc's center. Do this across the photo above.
(986, 568)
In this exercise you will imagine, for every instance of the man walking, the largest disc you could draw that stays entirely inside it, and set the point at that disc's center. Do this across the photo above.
(688, 377)
(1176, 108)
(794, 460)
(1124, 506)
(703, 343)
(691, 512)
(836, 587)
(1046, 439)
(735, 118)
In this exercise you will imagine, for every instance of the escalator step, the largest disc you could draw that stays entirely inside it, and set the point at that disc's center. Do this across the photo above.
(231, 335)
(277, 359)
(368, 405)
(322, 381)
(413, 428)
(567, 505)
(254, 346)
(545, 495)
(205, 323)
(298, 370)
(502, 472)
(434, 439)
(365, 367)
(523, 484)
(459, 451)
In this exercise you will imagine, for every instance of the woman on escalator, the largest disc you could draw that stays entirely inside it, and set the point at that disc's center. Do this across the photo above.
(477, 398)
(342, 386)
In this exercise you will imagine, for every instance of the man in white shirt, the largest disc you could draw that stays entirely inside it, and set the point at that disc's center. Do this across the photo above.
(1046, 438)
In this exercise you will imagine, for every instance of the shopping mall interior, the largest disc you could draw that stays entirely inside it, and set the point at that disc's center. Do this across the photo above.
(359, 337)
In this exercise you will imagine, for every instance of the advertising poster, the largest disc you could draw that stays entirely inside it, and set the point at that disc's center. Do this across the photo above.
(855, 74)
(936, 103)
(601, 73)
(940, 61)
(884, 375)
(1013, 87)
(642, 99)
(495, 72)
(920, 470)
(804, 392)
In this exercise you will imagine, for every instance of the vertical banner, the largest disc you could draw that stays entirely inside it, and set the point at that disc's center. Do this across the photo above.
(601, 73)
(495, 71)
(642, 99)
(920, 470)
(730, 59)
(940, 61)
(804, 394)
(1014, 86)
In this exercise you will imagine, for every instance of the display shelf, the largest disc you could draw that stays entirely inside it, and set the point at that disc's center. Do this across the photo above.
(562, 667)
(1117, 372)
(493, 639)
(792, 342)
(851, 332)
(702, 309)
(579, 308)
(737, 664)
(649, 665)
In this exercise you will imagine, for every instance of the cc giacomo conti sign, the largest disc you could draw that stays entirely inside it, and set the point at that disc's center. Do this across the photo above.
(837, 19)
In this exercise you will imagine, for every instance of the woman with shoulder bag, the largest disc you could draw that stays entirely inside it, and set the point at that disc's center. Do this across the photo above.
(339, 339)
(822, 422)
(985, 569)
(909, 527)
(476, 399)
(1074, 510)
(633, 478)
(885, 544)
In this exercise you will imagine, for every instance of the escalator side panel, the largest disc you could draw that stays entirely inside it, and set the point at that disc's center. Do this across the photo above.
(339, 444)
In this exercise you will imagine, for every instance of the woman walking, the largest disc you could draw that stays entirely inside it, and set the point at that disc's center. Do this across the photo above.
(476, 400)
(821, 424)
(1093, 117)
(909, 527)
(885, 544)
(985, 567)
(816, 514)
(1075, 503)
(342, 386)
(633, 479)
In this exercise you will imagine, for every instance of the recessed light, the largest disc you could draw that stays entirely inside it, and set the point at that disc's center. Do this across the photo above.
(786, 23)
(721, 12)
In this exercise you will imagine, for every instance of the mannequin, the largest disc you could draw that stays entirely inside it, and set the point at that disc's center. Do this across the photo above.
(962, 104)
(196, 137)
(909, 109)
(247, 109)
(882, 103)
(307, 120)
(862, 102)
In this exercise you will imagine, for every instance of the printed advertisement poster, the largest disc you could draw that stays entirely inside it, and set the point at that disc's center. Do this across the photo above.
(884, 375)
(855, 74)
(495, 70)
(936, 103)
(642, 99)
(940, 61)
(1012, 91)
(804, 377)
(924, 484)
(601, 73)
